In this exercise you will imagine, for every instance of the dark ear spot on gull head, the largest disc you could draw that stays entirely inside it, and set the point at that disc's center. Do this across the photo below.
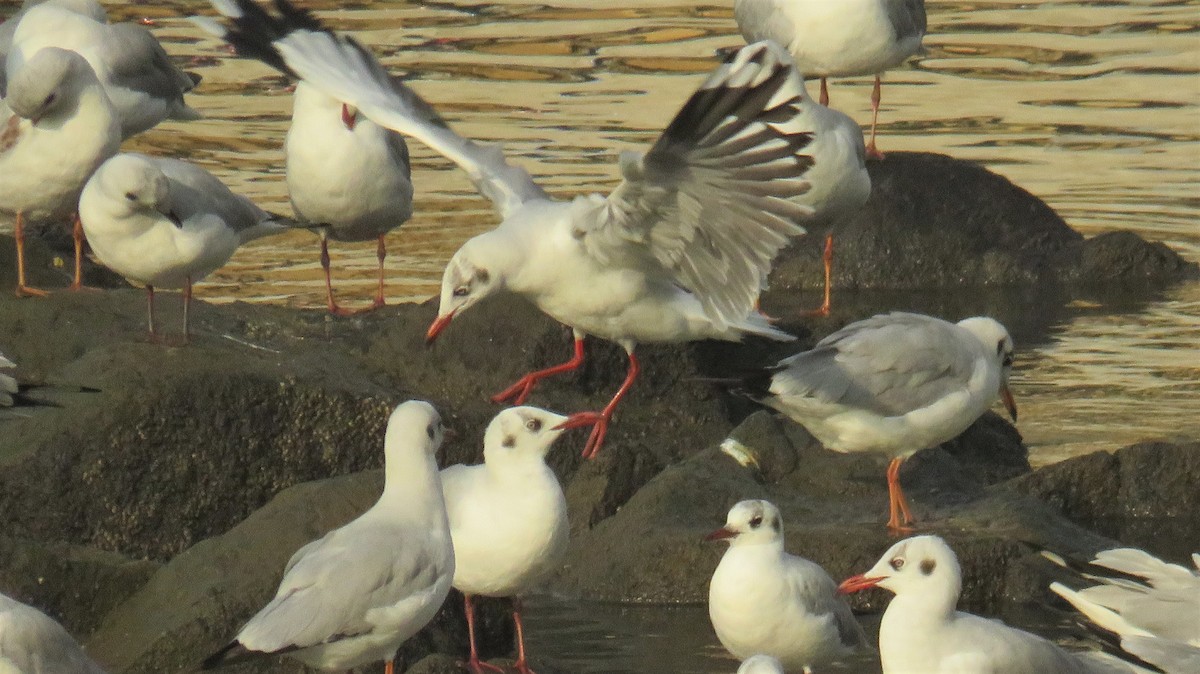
(509, 442)
(927, 566)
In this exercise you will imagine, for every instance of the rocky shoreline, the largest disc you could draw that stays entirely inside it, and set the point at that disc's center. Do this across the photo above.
(153, 498)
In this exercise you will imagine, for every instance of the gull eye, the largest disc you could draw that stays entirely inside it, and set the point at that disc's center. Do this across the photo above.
(755, 521)
(49, 99)
(897, 563)
(131, 196)
(1008, 360)
(429, 431)
(534, 425)
(999, 347)
(462, 291)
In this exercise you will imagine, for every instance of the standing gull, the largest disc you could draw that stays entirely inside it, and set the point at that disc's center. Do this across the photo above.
(678, 252)
(56, 126)
(895, 384)
(838, 39)
(352, 597)
(1158, 620)
(138, 76)
(922, 633)
(89, 8)
(31, 642)
(508, 517)
(763, 600)
(165, 223)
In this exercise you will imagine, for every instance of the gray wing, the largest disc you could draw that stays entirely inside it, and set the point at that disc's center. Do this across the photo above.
(1170, 656)
(196, 192)
(1168, 608)
(33, 642)
(907, 17)
(343, 68)
(890, 364)
(138, 62)
(332, 584)
(709, 203)
(808, 580)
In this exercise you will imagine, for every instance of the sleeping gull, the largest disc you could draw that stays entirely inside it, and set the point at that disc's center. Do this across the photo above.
(838, 39)
(922, 632)
(895, 384)
(31, 642)
(138, 76)
(1157, 621)
(8, 385)
(353, 596)
(760, 664)
(56, 126)
(89, 8)
(763, 600)
(165, 223)
(678, 252)
(508, 517)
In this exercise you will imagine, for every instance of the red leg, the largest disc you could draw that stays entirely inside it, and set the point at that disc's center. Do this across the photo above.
(521, 665)
(599, 420)
(19, 234)
(332, 303)
(824, 92)
(381, 254)
(390, 667)
(827, 257)
(900, 516)
(519, 391)
(872, 151)
(473, 663)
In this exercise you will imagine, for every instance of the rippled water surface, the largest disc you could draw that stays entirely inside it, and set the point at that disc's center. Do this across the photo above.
(1090, 105)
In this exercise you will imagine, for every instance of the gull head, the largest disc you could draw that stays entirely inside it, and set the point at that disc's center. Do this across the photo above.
(48, 85)
(921, 566)
(995, 340)
(468, 278)
(413, 425)
(521, 434)
(752, 522)
(133, 185)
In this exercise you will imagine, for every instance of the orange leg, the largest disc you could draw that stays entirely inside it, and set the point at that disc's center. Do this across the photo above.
(390, 667)
(19, 234)
(824, 91)
(872, 151)
(521, 665)
(519, 391)
(474, 663)
(827, 257)
(900, 515)
(599, 420)
(77, 235)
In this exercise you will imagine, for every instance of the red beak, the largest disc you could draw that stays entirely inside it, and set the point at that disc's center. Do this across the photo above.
(857, 584)
(348, 117)
(720, 535)
(1009, 403)
(437, 327)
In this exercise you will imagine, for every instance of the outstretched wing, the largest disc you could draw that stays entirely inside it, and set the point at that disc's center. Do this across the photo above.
(709, 203)
(296, 43)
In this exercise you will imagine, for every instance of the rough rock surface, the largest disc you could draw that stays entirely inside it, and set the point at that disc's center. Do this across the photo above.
(935, 221)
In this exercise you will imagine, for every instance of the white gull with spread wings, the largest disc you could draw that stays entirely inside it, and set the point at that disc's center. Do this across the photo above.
(677, 252)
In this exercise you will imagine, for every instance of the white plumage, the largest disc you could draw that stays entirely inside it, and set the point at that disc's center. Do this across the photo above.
(31, 642)
(8, 385)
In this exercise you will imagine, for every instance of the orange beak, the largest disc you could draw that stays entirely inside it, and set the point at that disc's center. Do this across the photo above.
(1009, 403)
(348, 116)
(720, 535)
(437, 327)
(857, 584)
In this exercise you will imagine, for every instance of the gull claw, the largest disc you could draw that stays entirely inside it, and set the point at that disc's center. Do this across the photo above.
(599, 423)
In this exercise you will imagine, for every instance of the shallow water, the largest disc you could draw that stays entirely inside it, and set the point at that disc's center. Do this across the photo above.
(1090, 105)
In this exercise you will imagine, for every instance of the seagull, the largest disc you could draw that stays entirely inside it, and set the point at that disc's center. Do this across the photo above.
(138, 76)
(8, 385)
(346, 175)
(760, 664)
(838, 39)
(353, 596)
(56, 126)
(922, 633)
(165, 223)
(508, 517)
(763, 600)
(31, 642)
(89, 8)
(895, 384)
(1157, 621)
(677, 252)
